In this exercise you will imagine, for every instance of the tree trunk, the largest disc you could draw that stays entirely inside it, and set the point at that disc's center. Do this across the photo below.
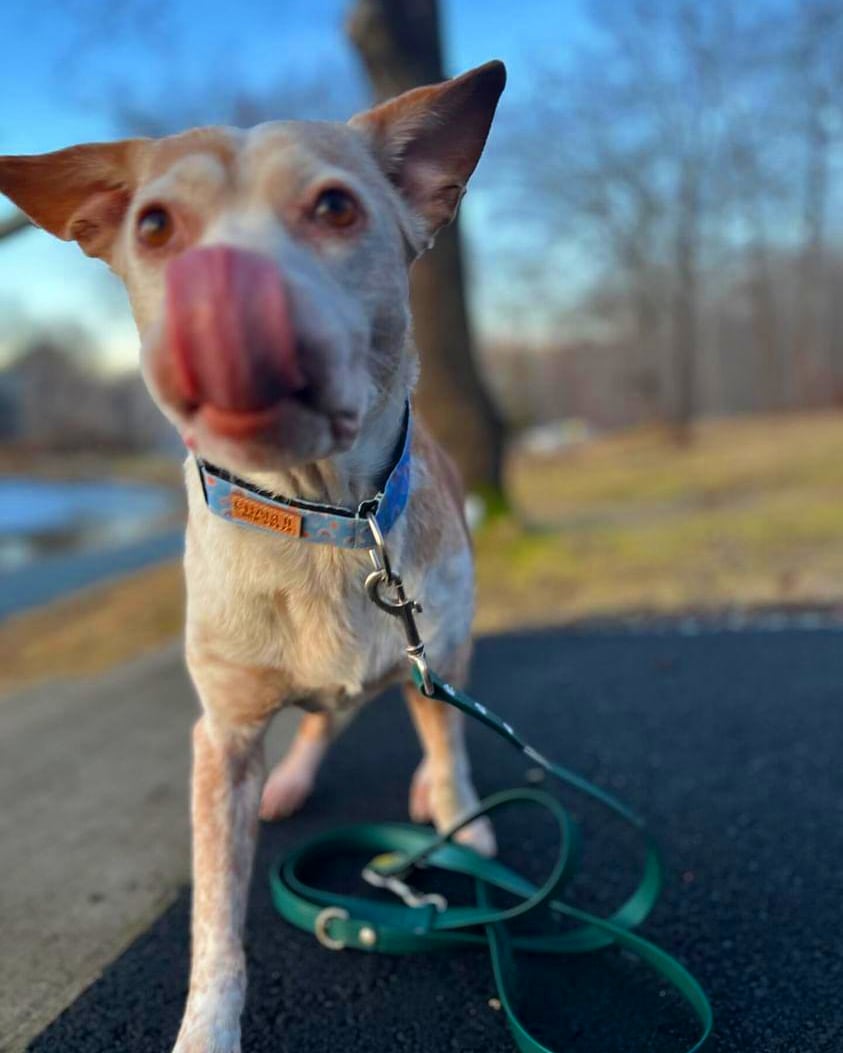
(686, 304)
(648, 380)
(765, 328)
(400, 45)
(809, 352)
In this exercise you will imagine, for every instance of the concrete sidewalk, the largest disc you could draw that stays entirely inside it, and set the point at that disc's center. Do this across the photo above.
(94, 829)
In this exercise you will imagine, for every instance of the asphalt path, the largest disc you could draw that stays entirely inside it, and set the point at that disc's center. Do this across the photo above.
(728, 742)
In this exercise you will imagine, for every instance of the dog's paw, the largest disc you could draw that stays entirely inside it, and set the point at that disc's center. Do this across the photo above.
(291, 781)
(480, 836)
(205, 1044)
(211, 1021)
(204, 1038)
(286, 790)
(443, 803)
(421, 810)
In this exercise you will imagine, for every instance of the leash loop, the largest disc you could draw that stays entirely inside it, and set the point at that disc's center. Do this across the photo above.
(375, 925)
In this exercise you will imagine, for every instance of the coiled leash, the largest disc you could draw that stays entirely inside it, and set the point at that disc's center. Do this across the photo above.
(427, 922)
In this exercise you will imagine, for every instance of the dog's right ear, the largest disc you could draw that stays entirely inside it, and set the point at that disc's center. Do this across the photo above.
(429, 140)
(78, 194)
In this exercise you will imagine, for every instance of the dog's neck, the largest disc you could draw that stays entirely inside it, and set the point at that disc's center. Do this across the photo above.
(348, 478)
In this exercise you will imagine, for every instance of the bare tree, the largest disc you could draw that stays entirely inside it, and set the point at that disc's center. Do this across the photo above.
(816, 67)
(752, 151)
(399, 42)
(667, 194)
(649, 153)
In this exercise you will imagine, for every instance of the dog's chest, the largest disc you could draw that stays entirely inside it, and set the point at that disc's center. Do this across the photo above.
(329, 637)
(291, 606)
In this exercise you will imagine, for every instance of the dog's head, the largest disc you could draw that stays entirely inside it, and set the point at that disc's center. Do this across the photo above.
(267, 269)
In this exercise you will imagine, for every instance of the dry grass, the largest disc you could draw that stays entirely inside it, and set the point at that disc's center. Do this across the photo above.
(94, 630)
(750, 514)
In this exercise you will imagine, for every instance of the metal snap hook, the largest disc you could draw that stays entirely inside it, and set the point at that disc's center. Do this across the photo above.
(402, 606)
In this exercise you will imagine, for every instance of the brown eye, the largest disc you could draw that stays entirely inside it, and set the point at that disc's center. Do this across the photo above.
(336, 208)
(154, 227)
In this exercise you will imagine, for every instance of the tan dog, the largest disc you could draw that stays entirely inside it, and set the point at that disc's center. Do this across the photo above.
(268, 275)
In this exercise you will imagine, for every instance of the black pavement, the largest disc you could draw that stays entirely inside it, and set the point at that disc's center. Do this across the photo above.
(728, 742)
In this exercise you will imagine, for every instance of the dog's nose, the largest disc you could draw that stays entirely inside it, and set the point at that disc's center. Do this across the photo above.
(229, 330)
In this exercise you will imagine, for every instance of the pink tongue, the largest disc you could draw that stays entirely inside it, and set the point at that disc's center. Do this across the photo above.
(229, 329)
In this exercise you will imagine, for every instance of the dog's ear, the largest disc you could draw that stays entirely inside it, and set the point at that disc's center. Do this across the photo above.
(78, 194)
(429, 140)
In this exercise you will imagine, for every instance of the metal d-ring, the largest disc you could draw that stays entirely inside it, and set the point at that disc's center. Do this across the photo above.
(378, 554)
(320, 927)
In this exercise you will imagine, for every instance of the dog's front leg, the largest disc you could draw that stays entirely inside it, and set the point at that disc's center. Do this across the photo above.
(442, 790)
(227, 778)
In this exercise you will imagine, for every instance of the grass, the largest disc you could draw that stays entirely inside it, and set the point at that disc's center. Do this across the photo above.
(750, 514)
(93, 630)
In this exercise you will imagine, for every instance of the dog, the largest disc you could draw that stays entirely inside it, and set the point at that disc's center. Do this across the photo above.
(268, 273)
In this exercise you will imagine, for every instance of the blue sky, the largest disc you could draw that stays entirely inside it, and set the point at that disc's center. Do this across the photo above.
(74, 63)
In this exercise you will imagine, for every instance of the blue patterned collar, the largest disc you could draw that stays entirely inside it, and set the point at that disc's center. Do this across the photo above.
(239, 502)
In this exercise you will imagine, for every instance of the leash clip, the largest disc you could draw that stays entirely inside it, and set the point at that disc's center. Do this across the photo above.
(410, 896)
(383, 578)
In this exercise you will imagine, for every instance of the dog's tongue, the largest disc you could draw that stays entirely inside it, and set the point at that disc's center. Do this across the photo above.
(229, 329)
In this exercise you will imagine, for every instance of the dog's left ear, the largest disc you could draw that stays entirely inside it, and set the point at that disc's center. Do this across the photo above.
(78, 194)
(429, 140)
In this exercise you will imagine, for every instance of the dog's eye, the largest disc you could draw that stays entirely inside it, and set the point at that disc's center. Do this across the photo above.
(154, 227)
(336, 208)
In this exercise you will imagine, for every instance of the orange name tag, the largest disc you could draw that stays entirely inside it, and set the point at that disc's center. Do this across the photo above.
(258, 514)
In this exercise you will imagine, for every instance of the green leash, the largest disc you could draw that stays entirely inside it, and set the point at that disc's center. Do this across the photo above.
(426, 922)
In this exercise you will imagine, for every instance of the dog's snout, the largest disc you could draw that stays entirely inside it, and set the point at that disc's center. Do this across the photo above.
(229, 330)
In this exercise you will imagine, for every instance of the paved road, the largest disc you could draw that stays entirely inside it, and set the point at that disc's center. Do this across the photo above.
(728, 742)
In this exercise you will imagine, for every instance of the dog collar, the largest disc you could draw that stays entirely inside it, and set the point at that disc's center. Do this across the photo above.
(239, 502)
